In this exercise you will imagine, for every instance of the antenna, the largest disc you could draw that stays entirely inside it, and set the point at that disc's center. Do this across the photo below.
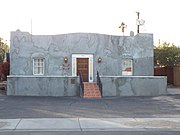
(31, 29)
(139, 22)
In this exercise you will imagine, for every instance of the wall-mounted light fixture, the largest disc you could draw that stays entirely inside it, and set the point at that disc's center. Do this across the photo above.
(65, 59)
(99, 60)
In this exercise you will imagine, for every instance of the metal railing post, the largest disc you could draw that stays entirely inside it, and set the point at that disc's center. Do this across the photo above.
(99, 83)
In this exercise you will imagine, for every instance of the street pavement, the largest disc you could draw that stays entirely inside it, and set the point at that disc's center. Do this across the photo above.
(74, 115)
(12, 107)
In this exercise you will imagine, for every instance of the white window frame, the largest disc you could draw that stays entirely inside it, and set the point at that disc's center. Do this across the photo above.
(124, 73)
(41, 66)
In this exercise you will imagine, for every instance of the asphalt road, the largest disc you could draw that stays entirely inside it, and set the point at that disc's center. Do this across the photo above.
(71, 107)
(12, 107)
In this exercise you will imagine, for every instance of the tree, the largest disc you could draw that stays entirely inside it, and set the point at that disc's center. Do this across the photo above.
(3, 49)
(167, 55)
(123, 26)
(4, 66)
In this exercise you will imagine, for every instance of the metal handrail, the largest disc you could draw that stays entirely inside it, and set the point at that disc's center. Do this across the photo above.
(99, 83)
(81, 85)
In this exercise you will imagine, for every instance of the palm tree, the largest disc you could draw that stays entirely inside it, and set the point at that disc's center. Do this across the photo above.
(122, 27)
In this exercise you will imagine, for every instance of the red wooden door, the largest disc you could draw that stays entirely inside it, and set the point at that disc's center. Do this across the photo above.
(82, 67)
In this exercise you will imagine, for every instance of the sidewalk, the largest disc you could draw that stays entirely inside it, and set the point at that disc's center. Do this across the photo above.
(173, 90)
(90, 124)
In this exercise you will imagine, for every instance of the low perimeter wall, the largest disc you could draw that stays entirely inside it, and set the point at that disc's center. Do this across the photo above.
(134, 85)
(43, 86)
(69, 86)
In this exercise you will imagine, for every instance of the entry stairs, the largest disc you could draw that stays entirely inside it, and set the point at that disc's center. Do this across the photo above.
(91, 90)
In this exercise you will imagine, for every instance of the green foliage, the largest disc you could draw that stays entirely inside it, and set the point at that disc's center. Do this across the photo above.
(3, 49)
(167, 55)
(2, 55)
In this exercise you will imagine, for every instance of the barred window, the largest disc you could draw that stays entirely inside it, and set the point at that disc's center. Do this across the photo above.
(38, 66)
(127, 68)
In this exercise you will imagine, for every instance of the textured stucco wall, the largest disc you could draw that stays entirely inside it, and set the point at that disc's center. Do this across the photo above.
(134, 85)
(53, 48)
(42, 86)
(112, 49)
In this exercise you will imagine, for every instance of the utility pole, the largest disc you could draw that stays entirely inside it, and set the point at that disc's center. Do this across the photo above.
(137, 22)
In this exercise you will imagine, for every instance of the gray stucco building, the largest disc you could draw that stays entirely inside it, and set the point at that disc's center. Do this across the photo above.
(48, 65)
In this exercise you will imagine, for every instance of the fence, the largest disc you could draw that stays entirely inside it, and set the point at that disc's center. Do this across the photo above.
(176, 71)
(165, 71)
(172, 73)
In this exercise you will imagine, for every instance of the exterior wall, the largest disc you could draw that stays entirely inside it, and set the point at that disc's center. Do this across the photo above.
(134, 85)
(112, 49)
(43, 86)
(58, 80)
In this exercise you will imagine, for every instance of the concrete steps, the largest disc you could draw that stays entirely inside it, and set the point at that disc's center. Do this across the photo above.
(91, 90)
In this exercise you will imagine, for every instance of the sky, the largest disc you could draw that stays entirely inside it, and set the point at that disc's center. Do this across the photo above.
(49, 17)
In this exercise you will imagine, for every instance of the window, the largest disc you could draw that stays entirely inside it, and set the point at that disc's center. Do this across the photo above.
(38, 66)
(127, 68)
